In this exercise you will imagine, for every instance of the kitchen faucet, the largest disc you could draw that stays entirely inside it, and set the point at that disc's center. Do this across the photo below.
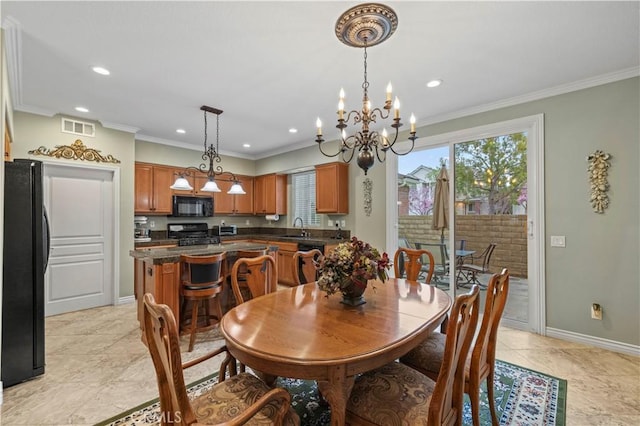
(303, 232)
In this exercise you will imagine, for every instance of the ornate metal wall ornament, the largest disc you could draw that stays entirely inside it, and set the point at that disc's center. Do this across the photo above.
(598, 165)
(76, 151)
(367, 184)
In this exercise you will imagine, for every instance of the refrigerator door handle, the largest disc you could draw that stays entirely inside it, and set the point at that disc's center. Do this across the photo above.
(47, 238)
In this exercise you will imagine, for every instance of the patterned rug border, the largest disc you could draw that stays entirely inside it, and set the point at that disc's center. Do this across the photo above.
(561, 403)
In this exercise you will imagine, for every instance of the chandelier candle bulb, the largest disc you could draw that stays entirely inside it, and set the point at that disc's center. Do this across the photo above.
(319, 126)
(412, 120)
(389, 92)
(396, 108)
(341, 109)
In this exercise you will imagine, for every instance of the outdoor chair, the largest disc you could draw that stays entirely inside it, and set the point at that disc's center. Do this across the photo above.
(234, 400)
(397, 394)
(441, 259)
(427, 357)
(468, 272)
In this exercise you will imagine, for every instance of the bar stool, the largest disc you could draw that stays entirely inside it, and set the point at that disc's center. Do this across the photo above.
(201, 282)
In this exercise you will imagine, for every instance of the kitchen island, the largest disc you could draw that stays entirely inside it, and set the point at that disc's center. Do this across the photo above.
(157, 271)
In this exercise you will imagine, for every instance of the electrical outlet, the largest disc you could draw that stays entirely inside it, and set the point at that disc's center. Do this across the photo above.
(329, 222)
(152, 224)
(248, 222)
(222, 223)
(343, 223)
(596, 311)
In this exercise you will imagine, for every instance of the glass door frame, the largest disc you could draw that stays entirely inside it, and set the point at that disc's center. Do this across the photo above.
(534, 127)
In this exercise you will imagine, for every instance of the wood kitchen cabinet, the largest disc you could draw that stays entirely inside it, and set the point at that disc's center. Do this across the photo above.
(224, 203)
(270, 194)
(152, 192)
(332, 188)
(285, 261)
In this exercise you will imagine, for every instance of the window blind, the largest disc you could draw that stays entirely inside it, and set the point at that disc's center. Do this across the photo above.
(304, 197)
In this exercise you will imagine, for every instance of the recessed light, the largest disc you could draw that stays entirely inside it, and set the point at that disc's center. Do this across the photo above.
(81, 109)
(246, 145)
(434, 83)
(101, 70)
(181, 131)
(293, 130)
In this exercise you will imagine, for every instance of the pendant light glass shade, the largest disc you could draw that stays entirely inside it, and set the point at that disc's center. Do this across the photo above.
(181, 184)
(210, 186)
(236, 189)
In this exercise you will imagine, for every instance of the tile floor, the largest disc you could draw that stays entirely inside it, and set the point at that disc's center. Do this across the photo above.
(97, 367)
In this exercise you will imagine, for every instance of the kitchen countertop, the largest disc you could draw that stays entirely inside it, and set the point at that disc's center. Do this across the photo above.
(267, 237)
(172, 254)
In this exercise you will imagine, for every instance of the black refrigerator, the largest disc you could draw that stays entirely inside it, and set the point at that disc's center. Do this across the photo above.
(26, 253)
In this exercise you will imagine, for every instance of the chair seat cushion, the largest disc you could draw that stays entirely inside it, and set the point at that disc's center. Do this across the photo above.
(394, 394)
(427, 356)
(232, 397)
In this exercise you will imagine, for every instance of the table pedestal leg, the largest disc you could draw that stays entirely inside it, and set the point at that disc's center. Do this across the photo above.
(336, 391)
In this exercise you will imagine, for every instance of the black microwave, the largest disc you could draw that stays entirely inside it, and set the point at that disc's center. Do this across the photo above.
(185, 206)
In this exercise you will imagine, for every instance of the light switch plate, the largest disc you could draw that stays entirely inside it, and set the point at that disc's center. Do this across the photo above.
(558, 241)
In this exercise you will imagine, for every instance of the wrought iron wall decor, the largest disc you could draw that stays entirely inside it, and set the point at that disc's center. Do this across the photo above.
(75, 151)
(367, 184)
(598, 166)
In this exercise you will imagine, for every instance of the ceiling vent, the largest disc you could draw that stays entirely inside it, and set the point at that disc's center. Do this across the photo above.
(78, 127)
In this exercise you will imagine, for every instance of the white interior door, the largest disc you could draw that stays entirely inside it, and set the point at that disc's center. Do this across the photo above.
(79, 201)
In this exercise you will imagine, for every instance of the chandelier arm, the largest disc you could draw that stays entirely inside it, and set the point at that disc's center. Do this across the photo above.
(326, 154)
(384, 154)
(356, 118)
(381, 112)
(413, 142)
(351, 151)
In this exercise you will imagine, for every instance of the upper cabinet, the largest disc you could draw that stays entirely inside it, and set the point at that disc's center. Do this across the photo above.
(270, 194)
(224, 203)
(152, 192)
(332, 188)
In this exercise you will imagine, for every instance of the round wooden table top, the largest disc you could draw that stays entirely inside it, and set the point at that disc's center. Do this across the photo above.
(301, 327)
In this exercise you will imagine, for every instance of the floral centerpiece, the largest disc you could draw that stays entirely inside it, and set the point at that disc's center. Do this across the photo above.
(348, 268)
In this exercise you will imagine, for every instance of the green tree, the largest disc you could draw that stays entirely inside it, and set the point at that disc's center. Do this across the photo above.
(492, 168)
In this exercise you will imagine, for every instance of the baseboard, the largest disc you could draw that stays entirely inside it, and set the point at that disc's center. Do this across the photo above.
(599, 342)
(126, 299)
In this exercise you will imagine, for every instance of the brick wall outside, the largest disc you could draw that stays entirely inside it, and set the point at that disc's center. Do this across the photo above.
(508, 232)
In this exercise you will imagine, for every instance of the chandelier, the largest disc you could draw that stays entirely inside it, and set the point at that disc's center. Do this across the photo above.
(364, 26)
(210, 154)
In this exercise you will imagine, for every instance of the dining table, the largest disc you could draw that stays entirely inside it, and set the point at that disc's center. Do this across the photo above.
(303, 333)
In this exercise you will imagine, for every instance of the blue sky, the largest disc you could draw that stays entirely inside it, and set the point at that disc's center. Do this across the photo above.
(429, 157)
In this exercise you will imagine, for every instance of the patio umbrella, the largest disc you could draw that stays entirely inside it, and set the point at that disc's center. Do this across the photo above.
(441, 203)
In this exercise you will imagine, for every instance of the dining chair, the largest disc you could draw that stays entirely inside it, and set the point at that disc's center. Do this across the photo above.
(259, 274)
(201, 282)
(408, 263)
(471, 270)
(305, 268)
(398, 394)
(427, 358)
(234, 400)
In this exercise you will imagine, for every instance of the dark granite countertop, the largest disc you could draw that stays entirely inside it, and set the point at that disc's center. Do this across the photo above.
(172, 254)
(264, 237)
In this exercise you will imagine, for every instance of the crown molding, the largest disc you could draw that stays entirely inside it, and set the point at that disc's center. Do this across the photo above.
(185, 145)
(537, 95)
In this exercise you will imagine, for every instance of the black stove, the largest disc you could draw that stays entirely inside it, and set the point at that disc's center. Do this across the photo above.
(191, 234)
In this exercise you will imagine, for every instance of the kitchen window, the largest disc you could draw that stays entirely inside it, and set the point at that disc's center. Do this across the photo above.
(303, 186)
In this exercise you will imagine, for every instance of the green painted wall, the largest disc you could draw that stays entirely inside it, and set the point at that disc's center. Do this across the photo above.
(33, 131)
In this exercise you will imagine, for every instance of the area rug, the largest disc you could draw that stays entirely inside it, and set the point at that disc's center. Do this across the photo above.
(523, 397)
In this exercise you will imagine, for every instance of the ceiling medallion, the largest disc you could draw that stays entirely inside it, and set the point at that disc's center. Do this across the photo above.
(366, 24)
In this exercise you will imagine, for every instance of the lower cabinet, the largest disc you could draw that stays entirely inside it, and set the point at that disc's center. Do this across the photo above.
(284, 261)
